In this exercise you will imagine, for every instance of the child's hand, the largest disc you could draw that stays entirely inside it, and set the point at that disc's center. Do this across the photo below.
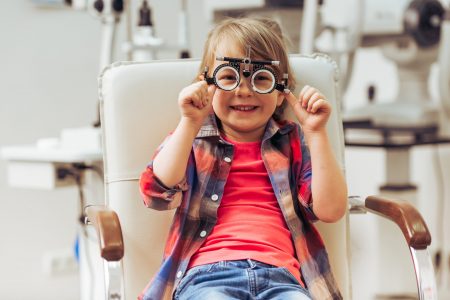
(195, 101)
(311, 108)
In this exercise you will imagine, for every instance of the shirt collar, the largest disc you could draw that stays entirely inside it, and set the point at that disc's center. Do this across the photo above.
(210, 128)
(273, 127)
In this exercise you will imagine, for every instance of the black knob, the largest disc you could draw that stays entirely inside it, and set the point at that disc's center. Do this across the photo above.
(145, 15)
(422, 20)
(99, 5)
(371, 93)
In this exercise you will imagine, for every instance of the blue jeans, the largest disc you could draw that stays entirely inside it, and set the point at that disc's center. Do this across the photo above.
(240, 280)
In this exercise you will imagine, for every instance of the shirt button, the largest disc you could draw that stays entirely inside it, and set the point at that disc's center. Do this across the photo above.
(179, 274)
(227, 159)
(203, 233)
(214, 197)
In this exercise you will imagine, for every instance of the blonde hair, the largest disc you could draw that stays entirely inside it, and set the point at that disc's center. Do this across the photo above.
(265, 38)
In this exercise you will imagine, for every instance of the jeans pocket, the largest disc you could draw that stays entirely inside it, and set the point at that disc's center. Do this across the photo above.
(288, 274)
(190, 275)
(295, 280)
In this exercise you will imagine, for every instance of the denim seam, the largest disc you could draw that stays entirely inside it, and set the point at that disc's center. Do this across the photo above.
(251, 281)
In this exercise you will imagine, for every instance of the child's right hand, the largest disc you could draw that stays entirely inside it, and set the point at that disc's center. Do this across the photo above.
(195, 101)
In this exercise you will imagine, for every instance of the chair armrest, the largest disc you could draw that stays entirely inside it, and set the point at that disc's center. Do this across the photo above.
(109, 231)
(406, 217)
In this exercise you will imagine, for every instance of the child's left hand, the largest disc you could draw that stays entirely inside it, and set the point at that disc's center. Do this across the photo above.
(311, 108)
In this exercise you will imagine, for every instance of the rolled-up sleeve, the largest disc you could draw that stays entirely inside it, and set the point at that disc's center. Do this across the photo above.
(157, 195)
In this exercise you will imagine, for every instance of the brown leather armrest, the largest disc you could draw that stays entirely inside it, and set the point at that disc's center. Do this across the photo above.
(109, 232)
(405, 216)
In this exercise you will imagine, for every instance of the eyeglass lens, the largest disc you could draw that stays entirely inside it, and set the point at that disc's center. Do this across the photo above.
(227, 78)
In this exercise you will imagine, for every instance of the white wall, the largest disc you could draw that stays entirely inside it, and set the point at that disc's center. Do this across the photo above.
(48, 81)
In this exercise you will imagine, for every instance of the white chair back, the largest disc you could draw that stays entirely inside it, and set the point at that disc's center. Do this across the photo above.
(138, 109)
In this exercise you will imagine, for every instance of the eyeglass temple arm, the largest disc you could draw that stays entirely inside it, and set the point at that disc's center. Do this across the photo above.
(283, 87)
(209, 80)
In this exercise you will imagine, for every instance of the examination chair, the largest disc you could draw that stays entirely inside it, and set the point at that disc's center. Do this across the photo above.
(138, 109)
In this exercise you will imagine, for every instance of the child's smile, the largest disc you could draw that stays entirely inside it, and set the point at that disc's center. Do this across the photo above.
(244, 108)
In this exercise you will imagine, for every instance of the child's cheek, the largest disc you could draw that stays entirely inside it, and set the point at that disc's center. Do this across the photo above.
(215, 104)
(217, 101)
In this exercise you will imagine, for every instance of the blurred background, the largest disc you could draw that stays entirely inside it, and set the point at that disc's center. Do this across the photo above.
(52, 54)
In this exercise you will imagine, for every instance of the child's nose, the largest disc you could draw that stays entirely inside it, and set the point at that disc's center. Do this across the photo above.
(244, 87)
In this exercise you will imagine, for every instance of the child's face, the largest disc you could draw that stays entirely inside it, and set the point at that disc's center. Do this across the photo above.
(243, 112)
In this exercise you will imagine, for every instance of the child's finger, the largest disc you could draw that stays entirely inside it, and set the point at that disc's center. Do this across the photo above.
(307, 95)
(201, 91)
(302, 92)
(292, 100)
(203, 96)
(314, 97)
(203, 87)
(318, 105)
(211, 91)
(197, 99)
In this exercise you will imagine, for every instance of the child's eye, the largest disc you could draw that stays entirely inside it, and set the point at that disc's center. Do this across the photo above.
(227, 77)
(262, 78)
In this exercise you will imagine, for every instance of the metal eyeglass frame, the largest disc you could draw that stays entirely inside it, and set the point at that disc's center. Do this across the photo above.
(258, 66)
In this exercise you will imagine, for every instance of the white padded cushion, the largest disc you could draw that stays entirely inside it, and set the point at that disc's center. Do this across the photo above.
(138, 110)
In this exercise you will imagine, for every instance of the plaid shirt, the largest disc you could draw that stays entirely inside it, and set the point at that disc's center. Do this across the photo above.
(288, 164)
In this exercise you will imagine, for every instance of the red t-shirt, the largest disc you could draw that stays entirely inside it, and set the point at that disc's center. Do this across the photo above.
(250, 223)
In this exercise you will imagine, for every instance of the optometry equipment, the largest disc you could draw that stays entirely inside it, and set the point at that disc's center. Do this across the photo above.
(262, 78)
(408, 33)
(413, 34)
(144, 45)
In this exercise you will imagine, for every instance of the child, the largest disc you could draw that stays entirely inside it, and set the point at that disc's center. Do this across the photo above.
(244, 183)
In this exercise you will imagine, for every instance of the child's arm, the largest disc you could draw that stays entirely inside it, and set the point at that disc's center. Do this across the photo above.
(329, 189)
(169, 165)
